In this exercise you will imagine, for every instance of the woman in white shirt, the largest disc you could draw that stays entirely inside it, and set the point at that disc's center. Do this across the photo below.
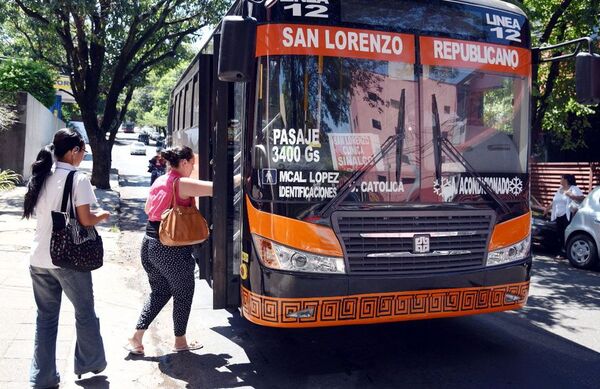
(564, 204)
(44, 195)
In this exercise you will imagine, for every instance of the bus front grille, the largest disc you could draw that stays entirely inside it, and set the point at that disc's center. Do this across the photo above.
(413, 242)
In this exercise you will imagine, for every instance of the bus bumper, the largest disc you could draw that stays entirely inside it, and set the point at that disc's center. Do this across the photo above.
(281, 299)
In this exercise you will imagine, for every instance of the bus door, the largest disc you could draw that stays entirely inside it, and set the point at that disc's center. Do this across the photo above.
(226, 162)
(203, 253)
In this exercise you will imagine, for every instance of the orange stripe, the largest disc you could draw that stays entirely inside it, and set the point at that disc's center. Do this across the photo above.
(294, 233)
(510, 232)
(467, 54)
(299, 39)
(382, 307)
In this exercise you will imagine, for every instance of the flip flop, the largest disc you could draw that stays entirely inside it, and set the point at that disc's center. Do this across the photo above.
(190, 347)
(135, 350)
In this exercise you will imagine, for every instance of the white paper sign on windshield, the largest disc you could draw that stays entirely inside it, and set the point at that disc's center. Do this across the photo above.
(350, 152)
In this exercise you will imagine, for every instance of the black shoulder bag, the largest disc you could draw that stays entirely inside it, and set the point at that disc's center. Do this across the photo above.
(72, 245)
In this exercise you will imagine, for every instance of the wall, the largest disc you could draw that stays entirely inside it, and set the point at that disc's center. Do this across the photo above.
(41, 125)
(35, 129)
(545, 177)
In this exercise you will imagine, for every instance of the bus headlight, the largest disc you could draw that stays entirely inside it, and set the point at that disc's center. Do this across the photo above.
(276, 256)
(512, 253)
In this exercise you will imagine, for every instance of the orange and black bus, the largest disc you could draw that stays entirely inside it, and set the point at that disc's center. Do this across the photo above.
(383, 147)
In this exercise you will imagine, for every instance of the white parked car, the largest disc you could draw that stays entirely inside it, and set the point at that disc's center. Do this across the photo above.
(583, 233)
(137, 148)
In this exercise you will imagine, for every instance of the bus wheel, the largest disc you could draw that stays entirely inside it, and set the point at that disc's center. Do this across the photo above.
(582, 251)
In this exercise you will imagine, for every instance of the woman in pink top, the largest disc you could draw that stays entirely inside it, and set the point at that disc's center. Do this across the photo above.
(170, 269)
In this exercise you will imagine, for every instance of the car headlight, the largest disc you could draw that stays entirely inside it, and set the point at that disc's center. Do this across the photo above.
(276, 256)
(512, 253)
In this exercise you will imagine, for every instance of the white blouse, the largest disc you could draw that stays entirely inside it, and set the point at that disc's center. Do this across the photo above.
(561, 202)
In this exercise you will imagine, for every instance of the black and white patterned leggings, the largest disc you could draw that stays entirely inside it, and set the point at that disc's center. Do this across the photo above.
(170, 273)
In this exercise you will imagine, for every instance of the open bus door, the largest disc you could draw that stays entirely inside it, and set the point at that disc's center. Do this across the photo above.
(220, 137)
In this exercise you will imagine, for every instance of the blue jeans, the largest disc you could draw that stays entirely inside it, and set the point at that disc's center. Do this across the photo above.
(48, 285)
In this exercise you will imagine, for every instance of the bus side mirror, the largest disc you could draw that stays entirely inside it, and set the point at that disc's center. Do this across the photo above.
(587, 78)
(237, 50)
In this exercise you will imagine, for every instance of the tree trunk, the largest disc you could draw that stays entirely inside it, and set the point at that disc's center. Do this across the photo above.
(541, 102)
(101, 166)
(101, 149)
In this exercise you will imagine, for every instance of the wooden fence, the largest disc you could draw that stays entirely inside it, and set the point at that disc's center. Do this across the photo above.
(545, 177)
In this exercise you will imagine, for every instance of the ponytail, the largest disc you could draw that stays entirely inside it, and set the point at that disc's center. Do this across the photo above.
(64, 140)
(40, 170)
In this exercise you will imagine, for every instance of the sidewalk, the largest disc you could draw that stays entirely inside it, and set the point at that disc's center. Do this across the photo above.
(17, 304)
(120, 287)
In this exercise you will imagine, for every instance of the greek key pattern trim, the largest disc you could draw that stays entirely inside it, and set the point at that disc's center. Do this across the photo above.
(384, 307)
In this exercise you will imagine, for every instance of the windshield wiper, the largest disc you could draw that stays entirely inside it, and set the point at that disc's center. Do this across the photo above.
(442, 144)
(394, 140)
(400, 134)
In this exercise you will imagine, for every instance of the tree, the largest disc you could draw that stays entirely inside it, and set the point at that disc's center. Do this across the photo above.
(108, 48)
(28, 76)
(153, 104)
(70, 112)
(141, 102)
(8, 117)
(556, 112)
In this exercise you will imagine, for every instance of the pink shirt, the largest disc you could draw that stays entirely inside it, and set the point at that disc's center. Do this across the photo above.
(160, 197)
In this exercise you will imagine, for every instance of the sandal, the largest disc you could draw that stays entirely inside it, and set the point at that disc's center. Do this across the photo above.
(189, 347)
(135, 350)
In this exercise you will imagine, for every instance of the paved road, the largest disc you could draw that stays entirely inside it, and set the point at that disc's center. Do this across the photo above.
(553, 343)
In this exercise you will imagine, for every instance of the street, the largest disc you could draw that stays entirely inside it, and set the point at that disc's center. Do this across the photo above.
(371, 161)
(553, 343)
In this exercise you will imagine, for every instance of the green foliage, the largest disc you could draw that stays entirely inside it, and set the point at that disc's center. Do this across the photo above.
(8, 179)
(563, 119)
(108, 47)
(142, 100)
(28, 76)
(8, 116)
(71, 112)
(568, 123)
(498, 109)
(152, 102)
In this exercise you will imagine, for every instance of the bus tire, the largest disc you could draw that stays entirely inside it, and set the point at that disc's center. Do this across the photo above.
(582, 251)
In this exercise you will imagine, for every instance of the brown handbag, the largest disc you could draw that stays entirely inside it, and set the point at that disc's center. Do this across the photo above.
(182, 226)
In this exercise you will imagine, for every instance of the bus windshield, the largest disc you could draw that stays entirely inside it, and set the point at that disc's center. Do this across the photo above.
(320, 119)
(484, 117)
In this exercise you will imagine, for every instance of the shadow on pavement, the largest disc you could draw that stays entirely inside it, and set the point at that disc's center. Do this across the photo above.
(134, 180)
(210, 367)
(563, 285)
(494, 350)
(132, 216)
(95, 382)
(12, 206)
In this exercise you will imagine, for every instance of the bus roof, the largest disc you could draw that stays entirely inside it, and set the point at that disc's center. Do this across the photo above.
(235, 7)
(498, 4)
